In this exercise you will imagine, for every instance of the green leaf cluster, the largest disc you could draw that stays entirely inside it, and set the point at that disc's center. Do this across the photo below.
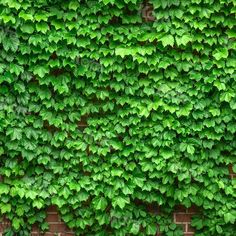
(107, 115)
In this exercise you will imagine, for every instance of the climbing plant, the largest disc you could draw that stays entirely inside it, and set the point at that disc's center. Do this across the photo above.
(116, 111)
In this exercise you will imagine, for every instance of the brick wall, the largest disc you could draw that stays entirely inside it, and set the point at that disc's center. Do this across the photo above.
(57, 227)
(182, 216)
(231, 173)
(3, 225)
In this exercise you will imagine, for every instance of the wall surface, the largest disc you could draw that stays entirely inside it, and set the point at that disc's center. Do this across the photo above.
(182, 216)
(195, 39)
(57, 227)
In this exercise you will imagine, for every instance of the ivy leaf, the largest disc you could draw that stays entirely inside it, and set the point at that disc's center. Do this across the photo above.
(219, 229)
(16, 133)
(41, 71)
(219, 85)
(14, 4)
(167, 40)
(220, 53)
(135, 228)
(42, 27)
(11, 43)
(226, 96)
(38, 203)
(108, 1)
(190, 149)
(183, 147)
(167, 153)
(16, 223)
(73, 5)
(4, 189)
(151, 229)
(229, 217)
(1, 151)
(45, 226)
(121, 52)
(116, 172)
(198, 223)
(17, 69)
(5, 208)
(100, 203)
(183, 40)
(9, 232)
(120, 201)
(26, 16)
(20, 211)
(20, 87)
(31, 194)
(27, 28)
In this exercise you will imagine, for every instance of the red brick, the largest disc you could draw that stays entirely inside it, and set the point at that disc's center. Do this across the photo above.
(192, 209)
(190, 229)
(180, 208)
(53, 218)
(233, 176)
(153, 209)
(35, 228)
(181, 217)
(67, 229)
(52, 209)
(57, 227)
(82, 124)
(147, 13)
(4, 224)
(231, 169)
(2, 227)
(5, 221)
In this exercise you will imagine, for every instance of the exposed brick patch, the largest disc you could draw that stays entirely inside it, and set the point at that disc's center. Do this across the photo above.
(231, 173)
(51, 234)
(4, 223)
(147, 13)
(182, 216)
(52, 217)
(35, 229)
(56, 226)
(192, 209)
(180, 209)
(82, 124)
(52, 209)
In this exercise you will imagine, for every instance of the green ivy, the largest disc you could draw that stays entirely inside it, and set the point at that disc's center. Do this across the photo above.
(108, 114)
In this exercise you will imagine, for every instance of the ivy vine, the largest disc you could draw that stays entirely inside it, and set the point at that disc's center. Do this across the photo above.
(110, 108)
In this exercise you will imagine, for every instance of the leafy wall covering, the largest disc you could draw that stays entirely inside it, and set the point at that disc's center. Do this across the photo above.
(107, 115)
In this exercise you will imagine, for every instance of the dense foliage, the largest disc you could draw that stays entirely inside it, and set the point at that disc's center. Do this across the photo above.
(109, 115)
